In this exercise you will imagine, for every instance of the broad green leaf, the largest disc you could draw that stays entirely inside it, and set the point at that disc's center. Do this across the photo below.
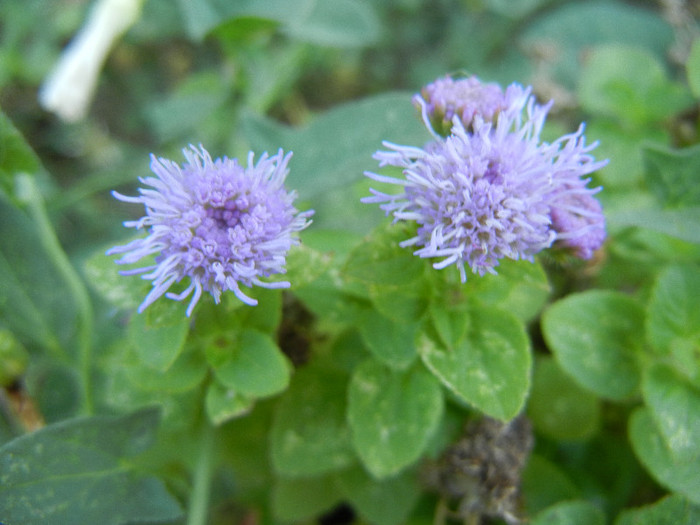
(223, 403)
(649, 446)
(671, 174)
(77, 471)
(392, 415)
(309, 434)
(596, 337)
(305, 265)
(544, 483)
(671, 510)
(384, 502)
(403, 304)
(294, 500)
(102, 274)
(623, 147)
(56, 389)
(573, 28)
(329, 153)
(380, 260)
(36, 302)
(693, 68)
(675, 407)
(13, 358)
(680, 223)
(158, 334)
(256, 366)
(340, 23)
(570, 513)
(520, 288)
(265, 316)
(196, 98)
(15, 155)
(488, 367)
(199, 17)
(391, 342)
(558, 407)
(186, 372)
(673, 318)
(637, 94)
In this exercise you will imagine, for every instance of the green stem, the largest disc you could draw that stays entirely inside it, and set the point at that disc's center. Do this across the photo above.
(29, 193)
(201, 483)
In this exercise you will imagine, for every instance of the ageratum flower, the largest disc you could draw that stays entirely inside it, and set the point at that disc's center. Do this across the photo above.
(494, 192)
(215, 222)
(465, 98)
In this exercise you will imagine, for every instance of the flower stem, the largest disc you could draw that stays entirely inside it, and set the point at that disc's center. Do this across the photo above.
(201, 483)
(29, 193)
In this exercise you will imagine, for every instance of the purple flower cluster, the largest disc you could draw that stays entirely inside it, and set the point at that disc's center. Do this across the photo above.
(490, 188)
(215, 222)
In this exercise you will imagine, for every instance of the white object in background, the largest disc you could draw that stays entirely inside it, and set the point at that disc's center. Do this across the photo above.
(69, 88)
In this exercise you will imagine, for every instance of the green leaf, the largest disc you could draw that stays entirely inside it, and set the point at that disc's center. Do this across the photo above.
(649, 446)
(13, 358)
(15, 155)
(391, 342)
(159, 333)
(102, 274)
(380, 260)
(392, 415)
(673, 318)
(489, 367)
(675, 407)
(55, 387)
(329, 152)
(570, 513)
(301, 499)
(224, 404)
(36, 302)
(681, 223)
(693, 68)
(199, 17)
(671, 510)
(637, 94)
(341, 23)
(403, 304)
(77, 471)
(573, 28)
(520, 288)
(256, 366)
(671, 174)
(186, 372)
(558, 407)
(384, 502)
(309, 435)
(596, 337)
(544, 483)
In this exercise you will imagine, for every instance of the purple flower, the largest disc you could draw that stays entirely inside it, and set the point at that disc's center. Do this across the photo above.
(465, 98)
(216, 222)
(494, 191)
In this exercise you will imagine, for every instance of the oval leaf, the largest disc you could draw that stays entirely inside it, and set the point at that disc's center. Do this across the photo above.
(649, 446)
(675, 407)
(309, 434)
(74, 472)
(596, 337)
(392, 415)
(489, 367)
(256, 367)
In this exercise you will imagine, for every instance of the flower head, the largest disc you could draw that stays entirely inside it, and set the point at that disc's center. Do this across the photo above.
(465, 98)
(216, 222)
(493, 191)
